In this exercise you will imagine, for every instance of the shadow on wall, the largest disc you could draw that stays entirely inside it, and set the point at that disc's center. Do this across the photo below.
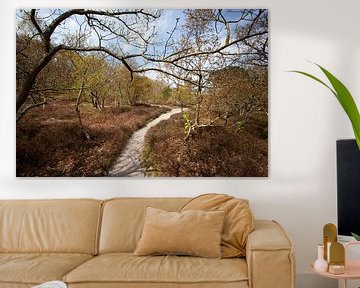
(326, 34)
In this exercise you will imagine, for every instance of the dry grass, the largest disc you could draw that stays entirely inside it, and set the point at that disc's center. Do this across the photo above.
(49, 142)
(212, 151)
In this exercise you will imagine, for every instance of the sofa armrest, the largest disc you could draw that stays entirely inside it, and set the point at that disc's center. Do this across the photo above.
(269, 255)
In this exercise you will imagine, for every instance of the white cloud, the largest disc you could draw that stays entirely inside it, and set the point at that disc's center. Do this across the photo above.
(152, 75)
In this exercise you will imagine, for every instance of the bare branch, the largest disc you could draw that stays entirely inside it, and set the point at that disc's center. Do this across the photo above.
(170, 35)
(35, 23)
(23, 112)
(54, 89)
(219, 49)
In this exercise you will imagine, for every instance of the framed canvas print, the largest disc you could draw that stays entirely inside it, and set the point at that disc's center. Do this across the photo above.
(142, 92)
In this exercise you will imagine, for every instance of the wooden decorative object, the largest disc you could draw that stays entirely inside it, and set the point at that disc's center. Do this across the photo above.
(330, 236)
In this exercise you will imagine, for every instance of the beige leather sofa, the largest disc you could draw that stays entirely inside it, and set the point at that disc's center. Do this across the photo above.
(89, 243)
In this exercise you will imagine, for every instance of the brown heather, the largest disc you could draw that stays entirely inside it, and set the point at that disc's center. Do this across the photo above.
(211, 151)
(49, 141)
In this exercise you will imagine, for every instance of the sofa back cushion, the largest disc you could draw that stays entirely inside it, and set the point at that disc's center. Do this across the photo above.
(123, 220)
(66, 226)
(238, 224)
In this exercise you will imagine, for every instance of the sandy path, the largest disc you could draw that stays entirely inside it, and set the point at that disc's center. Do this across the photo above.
(129, 163)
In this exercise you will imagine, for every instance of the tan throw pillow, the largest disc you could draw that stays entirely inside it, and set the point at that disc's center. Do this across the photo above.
(196, 233)
(239, 220)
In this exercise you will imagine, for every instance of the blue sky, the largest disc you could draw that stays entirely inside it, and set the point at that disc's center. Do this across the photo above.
(164, 25)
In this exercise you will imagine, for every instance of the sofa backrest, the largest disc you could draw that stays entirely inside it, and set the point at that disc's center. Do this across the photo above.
(123, 220)
(67, 226)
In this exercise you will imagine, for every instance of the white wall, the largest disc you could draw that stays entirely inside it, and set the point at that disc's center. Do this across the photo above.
(305, 121)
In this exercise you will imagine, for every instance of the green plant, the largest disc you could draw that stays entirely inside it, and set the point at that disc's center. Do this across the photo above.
(187, 122)
(356, 236)
(240, 126)
(344, 97)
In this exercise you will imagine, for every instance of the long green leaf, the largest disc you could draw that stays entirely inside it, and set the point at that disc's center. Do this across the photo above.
(316, 79)
(357, 237)
(357, 137)
(344, 97)
(347, 102)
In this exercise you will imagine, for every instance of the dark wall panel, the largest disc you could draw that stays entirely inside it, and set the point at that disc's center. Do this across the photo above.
(348, 187)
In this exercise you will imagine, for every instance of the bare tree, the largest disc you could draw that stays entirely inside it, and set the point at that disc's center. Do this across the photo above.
(116, 26)
(211, 41)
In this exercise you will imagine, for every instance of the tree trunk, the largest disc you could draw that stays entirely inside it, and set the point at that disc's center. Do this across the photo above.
(198, 101)
(197, 113)
(95, 101)
(31, 78)
(77, 108)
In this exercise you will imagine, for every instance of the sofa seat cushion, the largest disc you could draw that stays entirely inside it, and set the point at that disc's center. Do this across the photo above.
(127, 268)
(242, 284)
(15, 285)
(36, 268)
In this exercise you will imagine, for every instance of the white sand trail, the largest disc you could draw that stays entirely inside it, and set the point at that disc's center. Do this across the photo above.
(129, 163)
